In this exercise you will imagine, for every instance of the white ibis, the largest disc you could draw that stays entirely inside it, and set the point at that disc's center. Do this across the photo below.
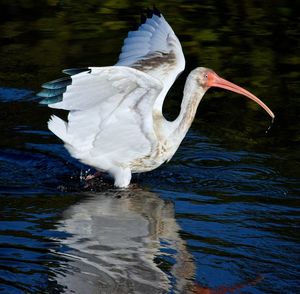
(115, 120)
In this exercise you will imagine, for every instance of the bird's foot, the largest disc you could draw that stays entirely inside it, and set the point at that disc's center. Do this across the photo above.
(91, 180)
(91, 176)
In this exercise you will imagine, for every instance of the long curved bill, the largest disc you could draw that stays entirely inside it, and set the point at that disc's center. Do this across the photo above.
(215, 81)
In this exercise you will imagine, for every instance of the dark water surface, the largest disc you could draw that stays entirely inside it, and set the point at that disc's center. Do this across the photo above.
(221, 217)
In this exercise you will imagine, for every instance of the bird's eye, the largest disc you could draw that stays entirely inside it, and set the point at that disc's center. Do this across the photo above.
(206, 76)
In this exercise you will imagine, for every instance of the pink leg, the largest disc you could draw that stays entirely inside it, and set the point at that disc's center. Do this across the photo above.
(95, 175)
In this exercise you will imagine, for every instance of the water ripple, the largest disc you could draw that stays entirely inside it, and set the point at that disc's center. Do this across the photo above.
(11, 94)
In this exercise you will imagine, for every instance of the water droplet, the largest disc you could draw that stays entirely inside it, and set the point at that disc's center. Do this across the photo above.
(270, 126)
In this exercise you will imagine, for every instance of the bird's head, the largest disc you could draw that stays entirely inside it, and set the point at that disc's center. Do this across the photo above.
(207, 78)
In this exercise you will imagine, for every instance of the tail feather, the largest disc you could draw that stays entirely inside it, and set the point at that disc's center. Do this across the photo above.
(58, 127)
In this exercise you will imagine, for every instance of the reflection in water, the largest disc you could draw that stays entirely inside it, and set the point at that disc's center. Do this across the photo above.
(123, 242)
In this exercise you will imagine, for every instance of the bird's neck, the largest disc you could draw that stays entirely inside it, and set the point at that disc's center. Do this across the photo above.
(192, 96)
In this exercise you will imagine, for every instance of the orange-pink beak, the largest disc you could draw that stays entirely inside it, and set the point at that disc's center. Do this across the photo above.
(213, 80)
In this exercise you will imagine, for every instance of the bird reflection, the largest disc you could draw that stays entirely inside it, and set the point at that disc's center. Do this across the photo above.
(123, 242)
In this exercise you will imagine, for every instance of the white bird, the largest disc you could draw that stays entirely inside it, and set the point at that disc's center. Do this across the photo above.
(115, 121)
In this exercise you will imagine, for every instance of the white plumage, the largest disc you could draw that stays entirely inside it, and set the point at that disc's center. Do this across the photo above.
(115, 120)
(151, 37)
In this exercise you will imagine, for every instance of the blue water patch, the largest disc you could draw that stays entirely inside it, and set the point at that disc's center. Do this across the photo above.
(12, 94)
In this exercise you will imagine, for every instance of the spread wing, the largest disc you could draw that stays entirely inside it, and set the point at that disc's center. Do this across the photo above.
(110, 116)
(111, 108)
(154, 48)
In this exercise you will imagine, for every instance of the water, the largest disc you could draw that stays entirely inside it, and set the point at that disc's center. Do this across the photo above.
(221, 216)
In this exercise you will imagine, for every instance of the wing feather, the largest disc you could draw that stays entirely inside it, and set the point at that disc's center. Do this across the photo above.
(154, 49)
(153, 36)
(110, 116)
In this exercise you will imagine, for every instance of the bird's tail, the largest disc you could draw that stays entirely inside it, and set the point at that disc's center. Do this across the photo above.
(58, 127)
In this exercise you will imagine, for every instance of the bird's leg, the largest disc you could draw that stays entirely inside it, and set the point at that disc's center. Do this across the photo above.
(95, 175)
(89, 180)
(122, 176)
